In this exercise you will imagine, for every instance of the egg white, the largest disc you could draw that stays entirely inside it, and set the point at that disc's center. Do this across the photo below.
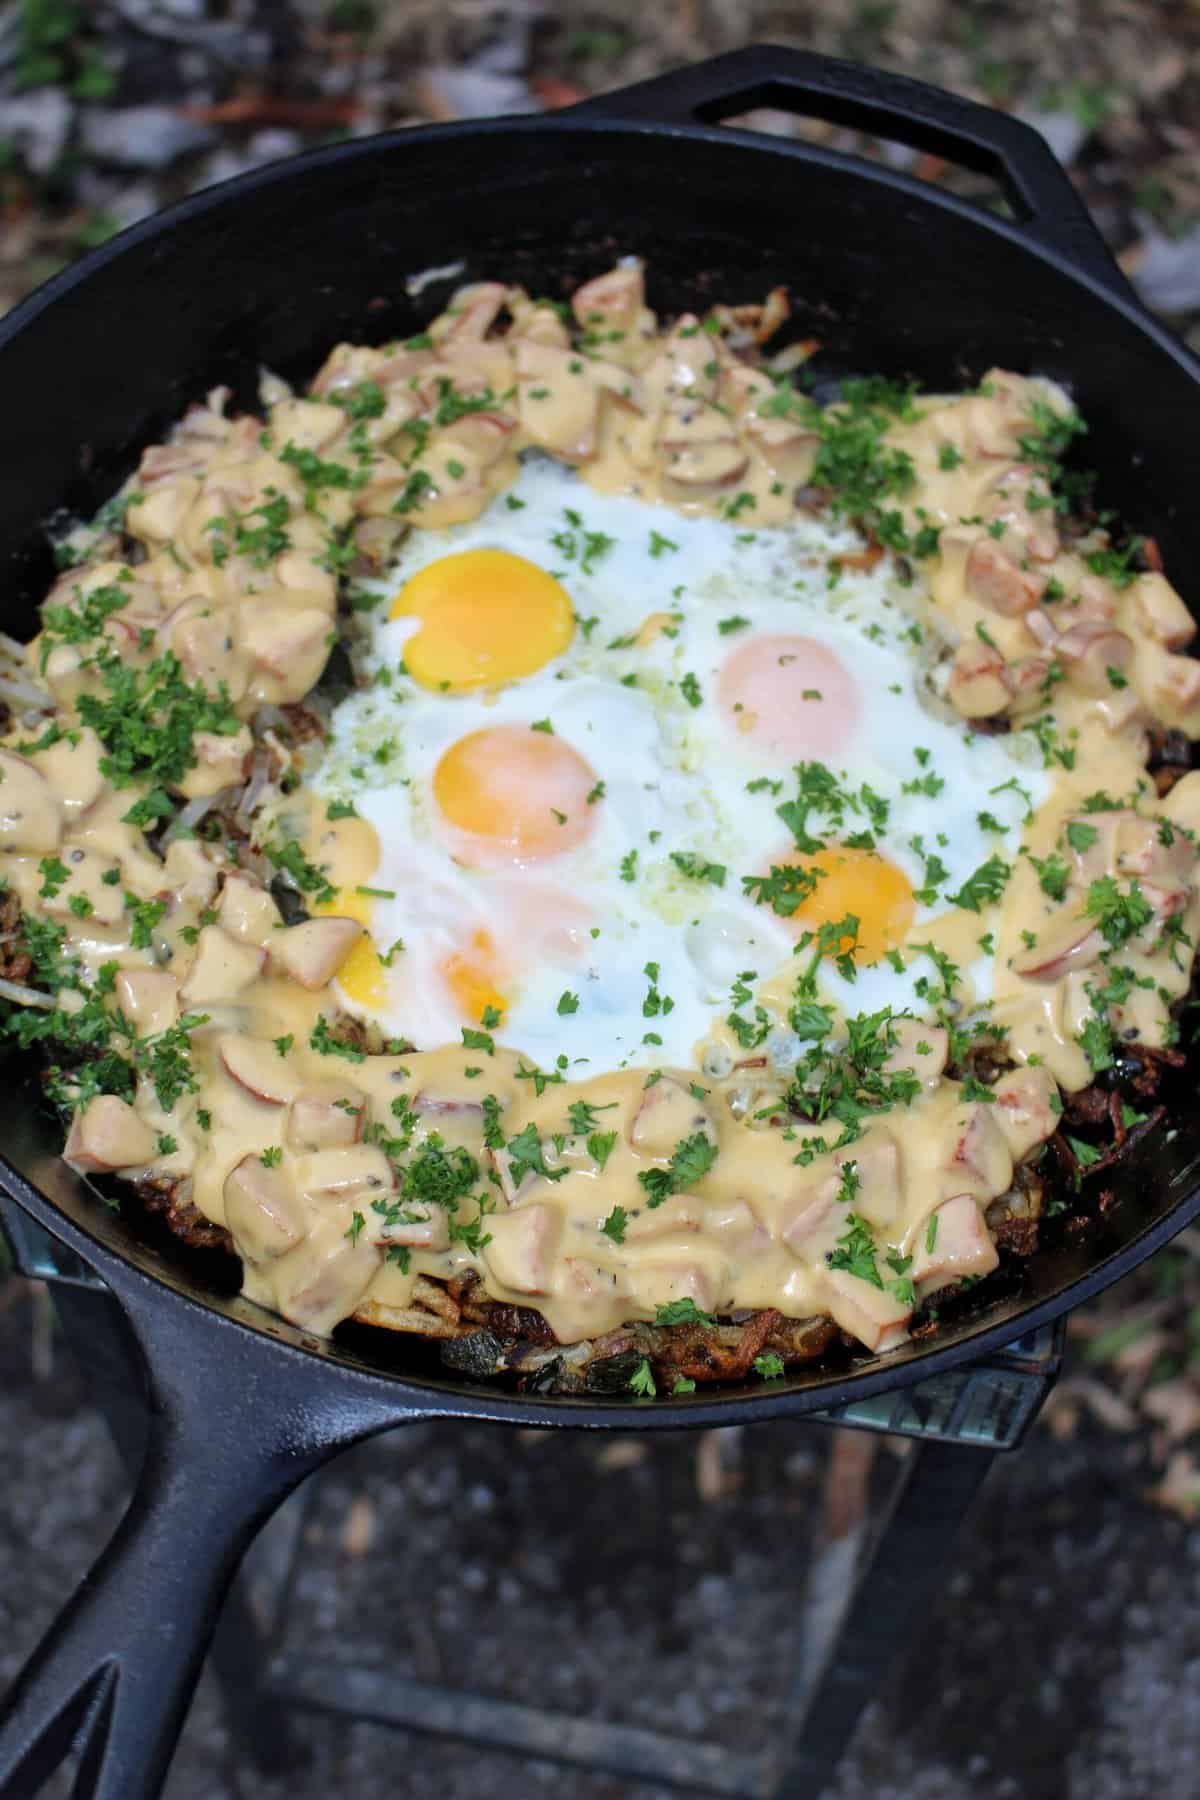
(578, 931)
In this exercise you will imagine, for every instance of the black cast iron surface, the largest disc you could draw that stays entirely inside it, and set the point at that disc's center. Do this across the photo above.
(271, 269)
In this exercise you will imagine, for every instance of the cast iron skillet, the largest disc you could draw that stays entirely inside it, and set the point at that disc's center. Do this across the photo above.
(273, 268)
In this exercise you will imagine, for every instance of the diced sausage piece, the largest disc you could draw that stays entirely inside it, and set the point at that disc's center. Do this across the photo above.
(1029, 676)
(323, 1279)
(326, 1117)
(1067, 943)
(220, 762)
(523, 1246)
(711, 463)
(1089, 650)
(979, 1161)
(1041, 628)
(667, 1113)
(202, 637)
(247, 912)
(256, 1065)
(72, 767)
(222, 968)
(1160, 613)
(108, 1135)
(556, 400)
(1182, 804)
(1027, 1108)
(419, 1231)
(919, 1047)
(30, 811)
(998, 583)
(313, 952)
(679, 1212)
(309, 424)
(671, 1274)
(1140, 851)
(872, 1315)
(613, 301)
(867, 1178)
(355, 1174)
(1021, 500)
(263, 1210)
(1166, 901)
(809, 1225)
(980, 685)
(471, 314)
(961, 1244)
(188, 875)
(483, 437)
(446, 1108)
(511, 1187)
(289, 642)
(1177, 688)
(148, 998)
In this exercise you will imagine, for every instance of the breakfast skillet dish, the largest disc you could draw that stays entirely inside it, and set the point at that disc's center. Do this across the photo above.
(557, 842)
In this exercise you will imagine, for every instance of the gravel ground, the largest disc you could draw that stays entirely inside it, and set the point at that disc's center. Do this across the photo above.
(658, 1583)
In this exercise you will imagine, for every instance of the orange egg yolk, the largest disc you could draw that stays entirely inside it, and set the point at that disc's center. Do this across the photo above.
(475, 976)
(860, 884)
(487, 617)
(514, 795)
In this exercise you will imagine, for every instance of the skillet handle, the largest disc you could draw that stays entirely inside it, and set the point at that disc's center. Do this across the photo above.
(230, 1436)
(893, 107)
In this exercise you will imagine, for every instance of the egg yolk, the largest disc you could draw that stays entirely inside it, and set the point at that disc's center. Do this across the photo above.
(859, 883)
(362, 977)
(514, 795)
(487, 617)
(474, 975)
(789, 698)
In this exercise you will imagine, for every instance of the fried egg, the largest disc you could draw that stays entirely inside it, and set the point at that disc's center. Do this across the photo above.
(624, 766)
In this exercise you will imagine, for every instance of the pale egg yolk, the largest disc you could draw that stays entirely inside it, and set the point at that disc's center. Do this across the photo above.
(487, 617)
(475, 976)
(514, 795)
(353, 851)
(790, 698)
(860, 883)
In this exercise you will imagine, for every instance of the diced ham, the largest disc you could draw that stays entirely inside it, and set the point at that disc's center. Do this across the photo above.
(220, 762)
(256, 1065)
(523, 1245)
(326, 1117)
(323, 1279)
(1027, 1108)
(1159, 612)
(1068, 942)
(247, 912)
(313, 952)
(148, 998)
(428, 1230)
(1177, 687)
(875, 1316)
(188, 874)
(961, 1244)
(108, 1135)
(263, 1210)
(1182, 804)
(557, 402)
(221, 969)
(355, 1174)
(919, 1048)
(980, 685)
(30, 811)
(613, 301)
(999, 583)
(979, 1160)
(667, 1113)
(1088, 650)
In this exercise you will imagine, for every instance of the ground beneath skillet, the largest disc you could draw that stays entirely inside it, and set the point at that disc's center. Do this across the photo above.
(656, 1582)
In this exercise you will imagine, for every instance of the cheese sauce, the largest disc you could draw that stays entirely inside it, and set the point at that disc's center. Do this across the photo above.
(850, 1182)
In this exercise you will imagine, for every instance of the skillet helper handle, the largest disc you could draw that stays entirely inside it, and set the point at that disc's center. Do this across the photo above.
(114, 1676)
(893, 107)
